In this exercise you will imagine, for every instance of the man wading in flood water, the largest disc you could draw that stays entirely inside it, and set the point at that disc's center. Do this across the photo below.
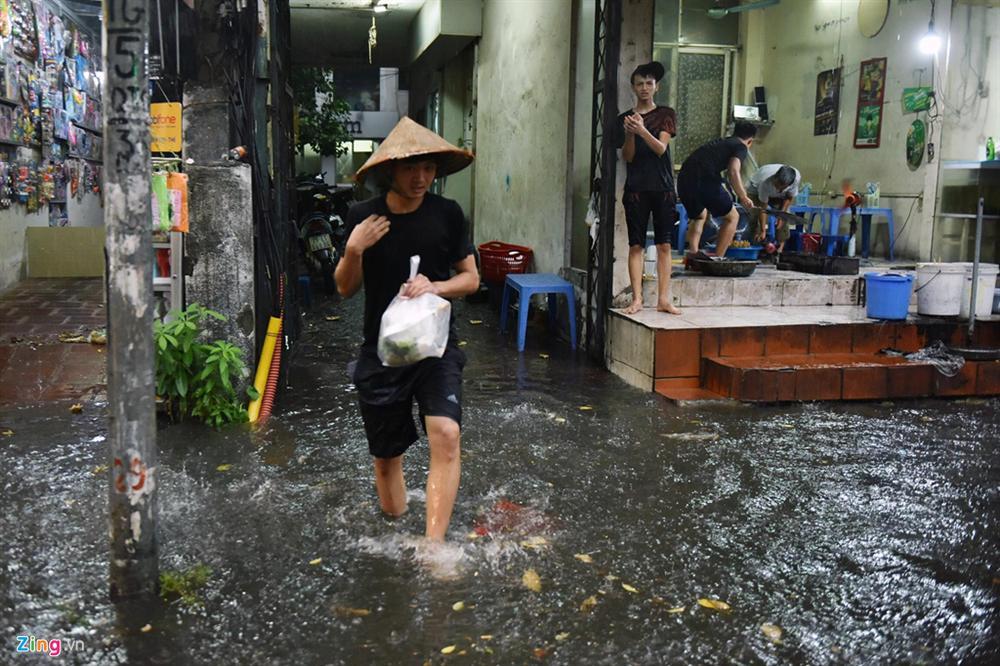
(384, 232)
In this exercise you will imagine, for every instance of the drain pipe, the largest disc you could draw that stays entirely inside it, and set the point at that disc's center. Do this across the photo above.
(268, 370)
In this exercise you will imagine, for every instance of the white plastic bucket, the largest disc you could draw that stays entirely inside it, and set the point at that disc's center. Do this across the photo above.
(939, 289)
(984, 291)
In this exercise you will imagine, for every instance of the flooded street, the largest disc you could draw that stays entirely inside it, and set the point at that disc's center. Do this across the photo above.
(864, 533)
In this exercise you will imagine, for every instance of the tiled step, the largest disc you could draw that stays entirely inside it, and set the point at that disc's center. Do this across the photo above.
(844, 376)
(767, 286)
(688, 396)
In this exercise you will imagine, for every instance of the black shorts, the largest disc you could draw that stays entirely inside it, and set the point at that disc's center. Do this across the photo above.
(699, 193)
(386, 396)
(639, 206)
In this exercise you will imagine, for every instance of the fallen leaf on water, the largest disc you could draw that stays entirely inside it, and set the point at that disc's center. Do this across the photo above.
(543, 356)
(629, 588)
(76, 409)
(347, 611)
(714, 604)
(458, 606)
(463, 652)
(534, 543)
(540, 653)
(448, 650)
(332, 317)
(486, 637)
(100, 469)
(318, 560)
(531, 580)
(559, 419)
(772, 631)
(562, 636)
(586, 408)
(583, 557)
(462, 343)
(475, 322)
(472, 536)
(588, 604)
(677, 609)
(611, 577)
(787, 426)
(224, 468)
(146, 628)
(488, 650)
(7, 433)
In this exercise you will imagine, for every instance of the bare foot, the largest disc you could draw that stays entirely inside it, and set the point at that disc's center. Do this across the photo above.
(634, 307)
(668, 307)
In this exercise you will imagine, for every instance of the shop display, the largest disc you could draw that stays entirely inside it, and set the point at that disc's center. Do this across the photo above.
(50, 107)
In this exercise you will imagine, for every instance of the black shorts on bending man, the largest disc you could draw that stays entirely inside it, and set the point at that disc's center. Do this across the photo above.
(384, 232)
(644, 136)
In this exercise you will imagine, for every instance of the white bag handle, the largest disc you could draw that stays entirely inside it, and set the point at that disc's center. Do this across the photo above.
(414, 265)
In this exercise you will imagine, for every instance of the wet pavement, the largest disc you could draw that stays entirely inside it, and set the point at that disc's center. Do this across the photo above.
(868, 533)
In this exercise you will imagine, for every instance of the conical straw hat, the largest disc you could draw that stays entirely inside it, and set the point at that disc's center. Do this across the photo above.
(410, 139)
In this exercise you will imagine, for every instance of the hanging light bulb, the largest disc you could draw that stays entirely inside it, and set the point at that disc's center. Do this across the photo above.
(930, 43)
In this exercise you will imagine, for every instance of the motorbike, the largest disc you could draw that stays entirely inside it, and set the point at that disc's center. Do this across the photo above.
(322, 231)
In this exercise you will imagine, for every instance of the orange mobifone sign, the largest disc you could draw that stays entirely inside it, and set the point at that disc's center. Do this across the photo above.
(165, 130)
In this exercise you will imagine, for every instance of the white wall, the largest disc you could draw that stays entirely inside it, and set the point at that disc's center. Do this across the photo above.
(804, 37)
(522, 137)
(14, 221)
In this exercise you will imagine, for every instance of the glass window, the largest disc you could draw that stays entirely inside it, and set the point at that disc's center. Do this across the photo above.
(701, 87)
(665, 20)
(665, 55)
(697, 27)
(358, 86)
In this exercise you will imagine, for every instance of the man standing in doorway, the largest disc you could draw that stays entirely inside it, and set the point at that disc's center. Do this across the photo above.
(644, 135)
(702, 191)
(384, 232)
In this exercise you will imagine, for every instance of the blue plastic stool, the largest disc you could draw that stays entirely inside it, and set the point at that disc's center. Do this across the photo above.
(527, 284)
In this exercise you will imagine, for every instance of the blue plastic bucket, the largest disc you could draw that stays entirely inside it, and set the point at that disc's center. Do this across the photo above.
(888, 295)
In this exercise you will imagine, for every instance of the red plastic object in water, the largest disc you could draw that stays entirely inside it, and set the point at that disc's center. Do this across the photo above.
(498, 259)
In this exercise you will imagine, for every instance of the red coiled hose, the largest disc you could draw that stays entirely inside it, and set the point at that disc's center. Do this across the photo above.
(272, 374)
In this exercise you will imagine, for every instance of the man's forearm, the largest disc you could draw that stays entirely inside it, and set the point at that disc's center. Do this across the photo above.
(460, 284)
(348, 274)
(657, 146)
(628, 150)
(736, 180)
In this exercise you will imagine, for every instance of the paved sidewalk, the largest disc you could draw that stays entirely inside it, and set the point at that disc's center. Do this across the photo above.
(35, 366)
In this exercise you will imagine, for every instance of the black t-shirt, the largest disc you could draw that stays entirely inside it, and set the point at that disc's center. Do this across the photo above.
(649, 172)
(437, 231)
(711, 159)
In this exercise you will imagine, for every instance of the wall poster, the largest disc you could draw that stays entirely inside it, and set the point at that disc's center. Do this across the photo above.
(871, 93)
(827, 102)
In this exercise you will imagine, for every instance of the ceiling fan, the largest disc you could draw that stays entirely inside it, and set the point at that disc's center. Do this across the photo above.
(722, 12)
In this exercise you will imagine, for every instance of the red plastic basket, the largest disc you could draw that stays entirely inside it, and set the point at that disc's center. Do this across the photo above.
(498, 259)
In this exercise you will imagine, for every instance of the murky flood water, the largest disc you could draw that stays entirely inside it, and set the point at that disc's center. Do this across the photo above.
(868, 533)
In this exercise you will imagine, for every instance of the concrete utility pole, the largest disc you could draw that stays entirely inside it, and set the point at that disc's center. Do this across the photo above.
(131, 383)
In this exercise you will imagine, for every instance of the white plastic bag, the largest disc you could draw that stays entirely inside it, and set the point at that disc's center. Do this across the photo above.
(413, 329)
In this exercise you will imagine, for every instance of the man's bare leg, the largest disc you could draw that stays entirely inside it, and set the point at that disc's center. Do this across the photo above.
(444, 435)
(727, 231)
(391, 485)
(695, 226)
(663, 268)
(635, 262)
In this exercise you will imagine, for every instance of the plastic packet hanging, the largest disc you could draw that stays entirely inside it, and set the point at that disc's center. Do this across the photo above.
(413, 329)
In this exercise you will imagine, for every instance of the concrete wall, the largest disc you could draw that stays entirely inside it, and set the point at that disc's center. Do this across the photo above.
(522, 138)
(788, 45)
(457, 122)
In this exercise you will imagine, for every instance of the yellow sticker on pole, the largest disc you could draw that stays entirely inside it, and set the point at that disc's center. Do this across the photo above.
(165, 131)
